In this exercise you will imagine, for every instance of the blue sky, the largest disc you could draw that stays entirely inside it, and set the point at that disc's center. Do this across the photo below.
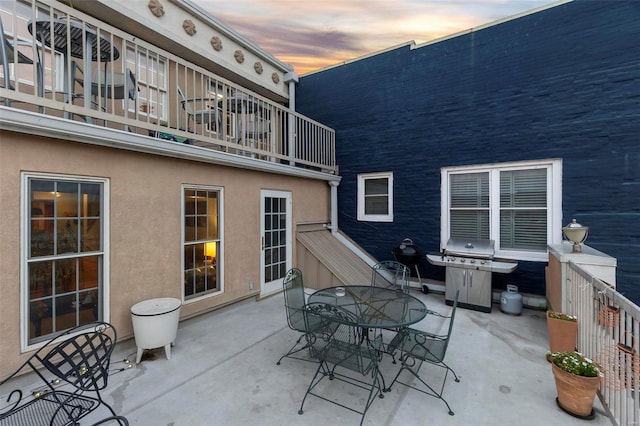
(311, 34)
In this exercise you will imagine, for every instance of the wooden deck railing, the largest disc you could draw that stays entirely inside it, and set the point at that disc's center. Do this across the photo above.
(140, 88)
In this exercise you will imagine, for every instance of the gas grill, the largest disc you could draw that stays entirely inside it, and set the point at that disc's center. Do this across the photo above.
(469, 266)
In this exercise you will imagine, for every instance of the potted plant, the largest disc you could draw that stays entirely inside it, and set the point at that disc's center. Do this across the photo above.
(563, 331)
(577, 380)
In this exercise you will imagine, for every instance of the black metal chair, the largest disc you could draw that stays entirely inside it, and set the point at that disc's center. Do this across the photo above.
(78, 361)
(345, 348)
(391, 274)
(418, 346)
(294, 302)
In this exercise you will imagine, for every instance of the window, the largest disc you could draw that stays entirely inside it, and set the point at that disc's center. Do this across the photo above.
(375, 197)
(63, 277)
(151, 71)
(201, 241)
(516, 204)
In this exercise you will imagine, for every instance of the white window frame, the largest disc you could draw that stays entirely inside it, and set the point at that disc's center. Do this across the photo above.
(150, 80)
(25, 209)
(362, 215)
(220, 240)
(554, 203)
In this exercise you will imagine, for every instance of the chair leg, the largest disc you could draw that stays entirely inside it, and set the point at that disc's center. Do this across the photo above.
(432, 390)
(292, 351)
(452, 372)
(324, 371)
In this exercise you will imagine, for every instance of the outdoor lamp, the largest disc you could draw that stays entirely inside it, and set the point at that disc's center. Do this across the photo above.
(576, 234)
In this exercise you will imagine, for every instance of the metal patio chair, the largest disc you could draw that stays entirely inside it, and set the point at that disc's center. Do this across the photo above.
(200, 110)
(294, 302)
(418, 346)
(78, 363)
(391, 274)
(112, 85)
(8, 51)
(345, 348)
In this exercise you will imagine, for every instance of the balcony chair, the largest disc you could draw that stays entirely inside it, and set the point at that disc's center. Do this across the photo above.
(418, 346)
(391, 274)
(294, 302)
(77, 360)
(257, 131)
(113, 85)
(200, 110)
(347, 349)
(7, 56)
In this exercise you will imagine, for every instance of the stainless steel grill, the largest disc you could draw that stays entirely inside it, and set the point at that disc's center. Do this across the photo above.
(469, 266)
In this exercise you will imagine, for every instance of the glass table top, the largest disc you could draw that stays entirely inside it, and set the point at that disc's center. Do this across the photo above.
(375, 307)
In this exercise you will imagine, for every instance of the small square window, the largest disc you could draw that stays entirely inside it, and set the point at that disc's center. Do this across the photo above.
(375, 197)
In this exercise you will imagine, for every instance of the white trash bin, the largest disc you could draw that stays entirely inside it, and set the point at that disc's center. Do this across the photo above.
(155, 324)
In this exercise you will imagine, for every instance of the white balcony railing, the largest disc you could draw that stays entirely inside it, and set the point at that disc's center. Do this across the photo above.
(140, 88)
(609, 333)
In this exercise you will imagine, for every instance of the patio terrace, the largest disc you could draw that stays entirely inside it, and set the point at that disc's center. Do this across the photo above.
(223, 371)
(142, 89)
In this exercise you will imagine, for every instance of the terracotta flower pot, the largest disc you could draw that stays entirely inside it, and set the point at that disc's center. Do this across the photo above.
(563, 335)
(575, 393)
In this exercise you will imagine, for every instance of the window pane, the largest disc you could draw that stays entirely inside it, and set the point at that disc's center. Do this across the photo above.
(376, 205)
(470, 190)
(40, 318)
(523, 215)
(41, 238)
(67, 236)
(522, 229)
(523, 188)
(40, 279)
(90, 200)
(90, 231)
(470, 224)
(89, 273)
(65, 275)
(376, 186)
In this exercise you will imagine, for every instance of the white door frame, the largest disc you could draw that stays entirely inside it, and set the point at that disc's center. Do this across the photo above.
(275, 285)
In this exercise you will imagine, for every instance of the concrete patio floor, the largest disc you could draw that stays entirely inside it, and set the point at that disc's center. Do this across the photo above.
(223, 372)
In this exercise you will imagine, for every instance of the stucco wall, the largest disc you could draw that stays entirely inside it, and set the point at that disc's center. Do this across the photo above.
(560, 83)
(145, 224)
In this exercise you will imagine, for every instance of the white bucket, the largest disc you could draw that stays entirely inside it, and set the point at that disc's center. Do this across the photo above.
(155, 324)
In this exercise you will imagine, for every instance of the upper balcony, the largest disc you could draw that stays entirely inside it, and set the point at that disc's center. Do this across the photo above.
(50, 53)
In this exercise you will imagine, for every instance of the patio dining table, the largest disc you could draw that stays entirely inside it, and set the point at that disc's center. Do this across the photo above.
(73, 39)
(375, 307)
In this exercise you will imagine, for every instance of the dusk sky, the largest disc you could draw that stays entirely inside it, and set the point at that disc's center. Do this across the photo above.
(311, 34)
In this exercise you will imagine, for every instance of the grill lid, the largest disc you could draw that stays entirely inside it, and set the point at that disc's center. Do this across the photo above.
(481, 249)
(407, 253)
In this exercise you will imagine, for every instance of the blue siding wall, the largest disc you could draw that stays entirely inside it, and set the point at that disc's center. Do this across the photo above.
(560, 83)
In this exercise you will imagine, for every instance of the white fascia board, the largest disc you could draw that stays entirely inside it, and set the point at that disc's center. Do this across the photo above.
(54, 127)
